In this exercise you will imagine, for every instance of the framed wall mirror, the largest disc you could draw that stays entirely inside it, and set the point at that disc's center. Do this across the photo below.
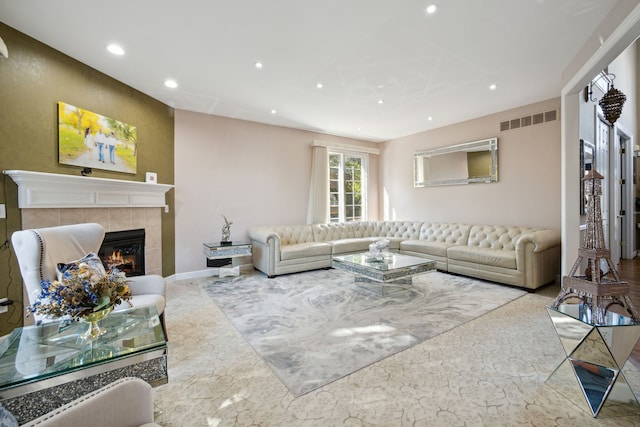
(469, 163)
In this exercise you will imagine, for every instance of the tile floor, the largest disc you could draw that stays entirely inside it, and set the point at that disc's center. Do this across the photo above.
(487, 372)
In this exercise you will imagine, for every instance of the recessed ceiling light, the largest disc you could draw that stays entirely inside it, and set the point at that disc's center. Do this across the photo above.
(380, 101)
(493, 86)
(319, 85)
(171, 83)
(429, 118)
(115, 49)
(431, 9)
(258, 65)
(274, 112)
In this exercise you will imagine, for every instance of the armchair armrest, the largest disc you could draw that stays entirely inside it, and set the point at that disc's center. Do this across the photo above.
(143, 285)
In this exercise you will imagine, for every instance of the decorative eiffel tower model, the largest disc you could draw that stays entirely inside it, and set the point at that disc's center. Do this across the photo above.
(593, 289)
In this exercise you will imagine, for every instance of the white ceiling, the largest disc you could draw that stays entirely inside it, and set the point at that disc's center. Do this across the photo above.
(423, 66)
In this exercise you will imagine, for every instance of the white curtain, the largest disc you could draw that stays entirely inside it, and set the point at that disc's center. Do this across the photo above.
(318, 211)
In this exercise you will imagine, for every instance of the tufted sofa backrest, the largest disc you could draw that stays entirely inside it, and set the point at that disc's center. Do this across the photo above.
(404, 229)
(369, 229)
(294, 234)
(496, 237)
(446, 233)
(332, 231)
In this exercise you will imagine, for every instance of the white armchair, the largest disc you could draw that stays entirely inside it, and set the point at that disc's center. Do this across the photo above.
(40, 250)
(127, 402)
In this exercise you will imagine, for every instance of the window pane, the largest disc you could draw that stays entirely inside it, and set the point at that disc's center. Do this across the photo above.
(348, 179)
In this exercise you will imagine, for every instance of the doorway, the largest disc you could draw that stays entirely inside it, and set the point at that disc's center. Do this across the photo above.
(624, 188)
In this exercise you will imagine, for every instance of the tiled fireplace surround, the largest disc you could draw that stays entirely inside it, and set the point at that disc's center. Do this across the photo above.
(112, 219)
(48, 200)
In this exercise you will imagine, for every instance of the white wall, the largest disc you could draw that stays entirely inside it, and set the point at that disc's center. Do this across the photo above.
(254, 174)
(528, 190)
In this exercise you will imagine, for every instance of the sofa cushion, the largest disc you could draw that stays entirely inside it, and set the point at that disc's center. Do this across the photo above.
(426, 247)
(345, 246)
(303, 250)
(496, 257)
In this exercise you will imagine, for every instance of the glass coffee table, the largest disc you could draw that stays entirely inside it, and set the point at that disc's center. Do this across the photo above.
(45, 366)
(387, 269)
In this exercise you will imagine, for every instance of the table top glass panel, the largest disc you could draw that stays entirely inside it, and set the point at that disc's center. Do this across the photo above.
(33, 353)
(388, 262)
(218, 245)
(584, 313)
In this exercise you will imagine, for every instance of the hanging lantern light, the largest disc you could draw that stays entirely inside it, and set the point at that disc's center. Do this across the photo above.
(611, 104)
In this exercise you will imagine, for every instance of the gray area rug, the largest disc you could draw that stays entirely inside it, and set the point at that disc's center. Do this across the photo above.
(316, 327)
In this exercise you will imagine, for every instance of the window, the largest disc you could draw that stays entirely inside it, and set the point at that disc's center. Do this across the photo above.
(347, 187)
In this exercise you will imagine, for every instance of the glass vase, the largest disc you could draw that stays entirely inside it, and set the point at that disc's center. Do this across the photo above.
(93, 319)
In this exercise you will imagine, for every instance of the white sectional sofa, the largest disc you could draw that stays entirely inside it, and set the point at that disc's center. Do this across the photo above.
(519, 256)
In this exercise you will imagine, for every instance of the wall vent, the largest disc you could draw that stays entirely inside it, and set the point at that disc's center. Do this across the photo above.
(538, 118)
(534, 119)
(550, 116)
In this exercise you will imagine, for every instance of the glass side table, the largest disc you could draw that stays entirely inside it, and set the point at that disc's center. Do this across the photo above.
(591, 374)
(219, 252)
(45, 366)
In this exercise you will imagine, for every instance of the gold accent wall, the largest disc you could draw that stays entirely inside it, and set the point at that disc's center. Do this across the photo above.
(33, 80)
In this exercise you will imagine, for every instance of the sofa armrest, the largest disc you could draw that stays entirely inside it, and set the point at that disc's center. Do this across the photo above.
(541, 239)
(128, 401)
(262, 235)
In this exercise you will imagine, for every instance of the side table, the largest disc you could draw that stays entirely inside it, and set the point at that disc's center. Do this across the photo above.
(217, 251)
(591, 374)
(45, 366)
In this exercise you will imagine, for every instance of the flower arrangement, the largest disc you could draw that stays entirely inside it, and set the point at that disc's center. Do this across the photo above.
(80, 292)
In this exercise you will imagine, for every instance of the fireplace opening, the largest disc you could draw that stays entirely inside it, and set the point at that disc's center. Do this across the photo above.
(124, 250)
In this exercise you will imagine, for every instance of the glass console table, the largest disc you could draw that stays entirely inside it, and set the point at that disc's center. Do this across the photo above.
(591, 374)
(45, 366)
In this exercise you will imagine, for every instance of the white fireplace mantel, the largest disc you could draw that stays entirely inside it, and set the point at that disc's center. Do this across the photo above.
(51, 190)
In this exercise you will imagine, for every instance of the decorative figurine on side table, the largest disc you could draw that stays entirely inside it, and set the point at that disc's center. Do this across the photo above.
(594, 288)
(226, 232)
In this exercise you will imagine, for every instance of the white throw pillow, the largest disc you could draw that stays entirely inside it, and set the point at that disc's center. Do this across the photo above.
(92, 260)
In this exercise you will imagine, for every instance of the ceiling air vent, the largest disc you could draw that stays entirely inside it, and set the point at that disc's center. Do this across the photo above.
(515, 123)
(504, 126)
(525, 121)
